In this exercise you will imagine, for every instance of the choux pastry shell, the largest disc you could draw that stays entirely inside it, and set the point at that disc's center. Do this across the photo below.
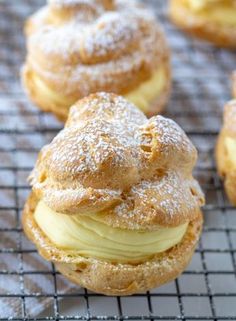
(126, 175)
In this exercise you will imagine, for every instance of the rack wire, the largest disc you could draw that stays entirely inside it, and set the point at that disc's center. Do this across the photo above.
(207, 289)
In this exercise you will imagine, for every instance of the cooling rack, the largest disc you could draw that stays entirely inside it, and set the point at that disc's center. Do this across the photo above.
(207, 289)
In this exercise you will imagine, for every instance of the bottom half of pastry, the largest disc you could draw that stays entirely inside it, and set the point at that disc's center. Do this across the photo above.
(150, 96)
(123, 263)
(213, 22)
(226, 164)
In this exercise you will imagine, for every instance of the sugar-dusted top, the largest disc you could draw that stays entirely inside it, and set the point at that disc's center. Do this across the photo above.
(110, 158)
(85, 46)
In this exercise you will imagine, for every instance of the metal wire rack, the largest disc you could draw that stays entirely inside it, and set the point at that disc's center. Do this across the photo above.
(207, 289)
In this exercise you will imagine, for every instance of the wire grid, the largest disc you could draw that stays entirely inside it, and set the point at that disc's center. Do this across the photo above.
(201, 85)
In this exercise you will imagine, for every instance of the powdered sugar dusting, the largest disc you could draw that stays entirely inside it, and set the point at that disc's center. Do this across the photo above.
(170, 196)
(63, 3)
(110, 32)
(97, 48)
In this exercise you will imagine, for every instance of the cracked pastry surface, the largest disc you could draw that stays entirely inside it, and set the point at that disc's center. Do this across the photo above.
(212, 20)
(226, 151)
(114, 203)
(81, 47)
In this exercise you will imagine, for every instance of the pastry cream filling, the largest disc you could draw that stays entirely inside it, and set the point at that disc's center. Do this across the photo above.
(90, 237)
(48, 93)
(230, 145)
(142, 96)
(219, 11)
(148, 91)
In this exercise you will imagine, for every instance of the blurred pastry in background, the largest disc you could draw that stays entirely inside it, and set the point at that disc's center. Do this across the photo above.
(114, 204)
(212, 20)
(79, 47)
(226, 151)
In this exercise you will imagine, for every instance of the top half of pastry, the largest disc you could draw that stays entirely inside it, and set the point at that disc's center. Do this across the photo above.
(110, 159)
(88, 34)
(81, 47)
(212, 20)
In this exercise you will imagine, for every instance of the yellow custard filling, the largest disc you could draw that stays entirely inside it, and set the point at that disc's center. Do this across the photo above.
(90, 237)
(142, 96)
(230, 145)
(219, 11)
(46, 92)
(148, 91)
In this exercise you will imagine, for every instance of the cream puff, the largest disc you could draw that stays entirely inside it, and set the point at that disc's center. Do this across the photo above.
(226, 151)
(212, 20)
(75, 48)
(114, 204)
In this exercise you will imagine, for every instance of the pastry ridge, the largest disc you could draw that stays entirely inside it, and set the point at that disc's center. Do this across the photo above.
(119, 45)
(110, 158)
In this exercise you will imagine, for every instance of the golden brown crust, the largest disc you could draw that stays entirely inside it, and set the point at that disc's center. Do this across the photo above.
(110, 158)
(224, 165)
(222, 36)
(110, 278)
(80, 49)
